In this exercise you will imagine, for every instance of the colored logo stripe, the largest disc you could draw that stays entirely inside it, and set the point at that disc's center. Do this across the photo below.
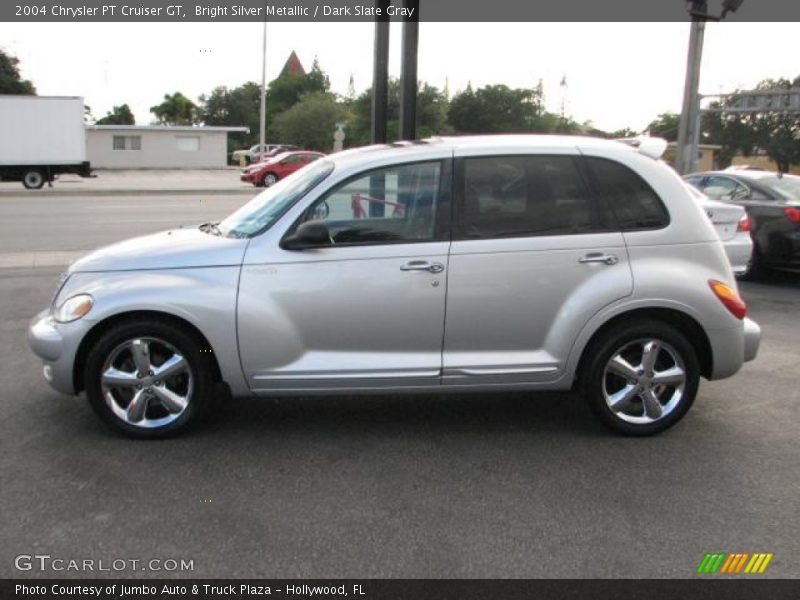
(711, 562)
(734, 563)
(758, 563)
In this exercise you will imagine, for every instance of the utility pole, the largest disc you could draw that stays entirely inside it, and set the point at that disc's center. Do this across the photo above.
(262, 133)
(689, 127)
(380, 75)
(687, 151)
(408, 73)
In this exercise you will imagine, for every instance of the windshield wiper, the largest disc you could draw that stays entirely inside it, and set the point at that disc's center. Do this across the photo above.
(212, 228)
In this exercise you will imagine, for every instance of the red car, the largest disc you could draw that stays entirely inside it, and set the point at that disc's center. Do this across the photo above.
(269, 171)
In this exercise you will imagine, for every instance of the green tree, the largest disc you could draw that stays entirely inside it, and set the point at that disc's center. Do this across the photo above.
(732, 131)
(777, 134)
(286, 91)
(431, 113)
(665, 126)
(119, 115)
(176, 109)
(11, 81)
(500, 109)
(311, 122)
(235, 107)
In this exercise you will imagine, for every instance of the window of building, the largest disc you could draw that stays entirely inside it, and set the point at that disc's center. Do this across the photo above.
(188, 143)
(520, 196)
(634, 203)
(127, 142)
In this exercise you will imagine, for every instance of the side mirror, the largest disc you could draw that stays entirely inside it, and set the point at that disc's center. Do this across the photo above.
(311, 234)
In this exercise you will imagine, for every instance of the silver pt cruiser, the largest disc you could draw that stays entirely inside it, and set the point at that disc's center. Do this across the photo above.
(452, 264)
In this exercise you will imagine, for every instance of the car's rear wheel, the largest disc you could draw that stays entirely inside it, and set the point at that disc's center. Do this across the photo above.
(33, 179)
(148, 378)
(641, 377)
(270, 179)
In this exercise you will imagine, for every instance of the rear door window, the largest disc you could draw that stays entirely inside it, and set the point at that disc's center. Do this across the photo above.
(521, 196)
(631, 200)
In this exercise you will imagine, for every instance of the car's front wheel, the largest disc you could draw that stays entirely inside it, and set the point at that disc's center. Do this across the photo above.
(269, 179)
(148, 378)
(641, 377)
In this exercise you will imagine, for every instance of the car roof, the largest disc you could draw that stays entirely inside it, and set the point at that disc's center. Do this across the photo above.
(443, 145)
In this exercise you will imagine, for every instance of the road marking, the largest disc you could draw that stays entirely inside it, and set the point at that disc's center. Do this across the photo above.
(10, 260)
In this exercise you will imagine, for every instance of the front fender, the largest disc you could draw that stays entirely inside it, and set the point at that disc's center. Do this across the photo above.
(204, 297)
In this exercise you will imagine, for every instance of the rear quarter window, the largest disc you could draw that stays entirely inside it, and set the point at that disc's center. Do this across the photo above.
(631, 200)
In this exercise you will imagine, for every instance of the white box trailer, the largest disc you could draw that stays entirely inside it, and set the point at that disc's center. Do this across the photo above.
(40, 138)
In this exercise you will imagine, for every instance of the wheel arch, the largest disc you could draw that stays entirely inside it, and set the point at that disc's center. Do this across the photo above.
(101, 327)
(684, 323)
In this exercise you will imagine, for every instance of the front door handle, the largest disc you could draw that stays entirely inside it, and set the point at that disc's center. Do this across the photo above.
(599, 257)
(423, 265)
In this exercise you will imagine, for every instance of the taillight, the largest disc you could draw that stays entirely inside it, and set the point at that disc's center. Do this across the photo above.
(728, 296)
(744, 223)
(793, 213)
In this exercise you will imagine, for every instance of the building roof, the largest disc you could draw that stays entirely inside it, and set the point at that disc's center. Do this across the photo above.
(179, 128)
(293, 66)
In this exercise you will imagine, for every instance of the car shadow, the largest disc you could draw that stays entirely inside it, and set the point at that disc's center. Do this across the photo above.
(389, 414)
(782, 279)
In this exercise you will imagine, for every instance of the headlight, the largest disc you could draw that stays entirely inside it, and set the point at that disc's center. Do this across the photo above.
(73, 308)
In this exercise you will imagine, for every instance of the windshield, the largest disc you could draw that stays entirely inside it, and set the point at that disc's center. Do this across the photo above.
(263, 210)
(787, 186)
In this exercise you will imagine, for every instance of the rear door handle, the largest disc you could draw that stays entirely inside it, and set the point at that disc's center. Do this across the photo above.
(423, 265)
(599, 257)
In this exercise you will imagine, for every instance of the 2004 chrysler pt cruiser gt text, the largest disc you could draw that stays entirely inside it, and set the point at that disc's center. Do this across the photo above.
(452, 264)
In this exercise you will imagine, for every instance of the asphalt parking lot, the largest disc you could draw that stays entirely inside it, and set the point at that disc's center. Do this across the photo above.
(500, 485)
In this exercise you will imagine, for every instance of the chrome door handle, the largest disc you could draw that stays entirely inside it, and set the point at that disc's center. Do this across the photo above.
(423, 265)
(599, 257)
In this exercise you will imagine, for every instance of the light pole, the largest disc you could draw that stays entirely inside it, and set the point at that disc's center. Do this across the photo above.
(689, 127)
(262, 133)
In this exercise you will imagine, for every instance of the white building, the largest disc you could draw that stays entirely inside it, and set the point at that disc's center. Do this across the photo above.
(157, 146)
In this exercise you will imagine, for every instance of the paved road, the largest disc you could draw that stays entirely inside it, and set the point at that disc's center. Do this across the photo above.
(60, 228)
(500, 485)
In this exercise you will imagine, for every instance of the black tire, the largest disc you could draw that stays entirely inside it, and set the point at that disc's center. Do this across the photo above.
(33, 179)
(755, 268)
(274, 179)
(593, 378)
(200, 370)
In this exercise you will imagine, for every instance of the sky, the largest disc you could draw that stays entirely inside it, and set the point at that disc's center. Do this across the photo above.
(618, 74)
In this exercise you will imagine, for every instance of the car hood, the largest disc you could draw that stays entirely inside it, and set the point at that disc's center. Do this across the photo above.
(174, 249)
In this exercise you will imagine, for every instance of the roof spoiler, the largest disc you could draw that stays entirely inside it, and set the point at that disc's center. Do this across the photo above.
(653, 147)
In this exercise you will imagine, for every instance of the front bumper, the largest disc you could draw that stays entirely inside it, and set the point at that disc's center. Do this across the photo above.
(57, 346)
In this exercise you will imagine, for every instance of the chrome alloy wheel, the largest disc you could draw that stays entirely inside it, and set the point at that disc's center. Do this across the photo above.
(644, 381)
(146, 382)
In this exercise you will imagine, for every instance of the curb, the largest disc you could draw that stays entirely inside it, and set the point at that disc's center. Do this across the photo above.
(126, 192)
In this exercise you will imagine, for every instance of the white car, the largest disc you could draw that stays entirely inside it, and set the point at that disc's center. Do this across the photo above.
(254, 153)
(733, 227)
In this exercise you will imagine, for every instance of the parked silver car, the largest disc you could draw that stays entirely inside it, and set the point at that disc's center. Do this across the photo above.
(455, 264)
(733, 228)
